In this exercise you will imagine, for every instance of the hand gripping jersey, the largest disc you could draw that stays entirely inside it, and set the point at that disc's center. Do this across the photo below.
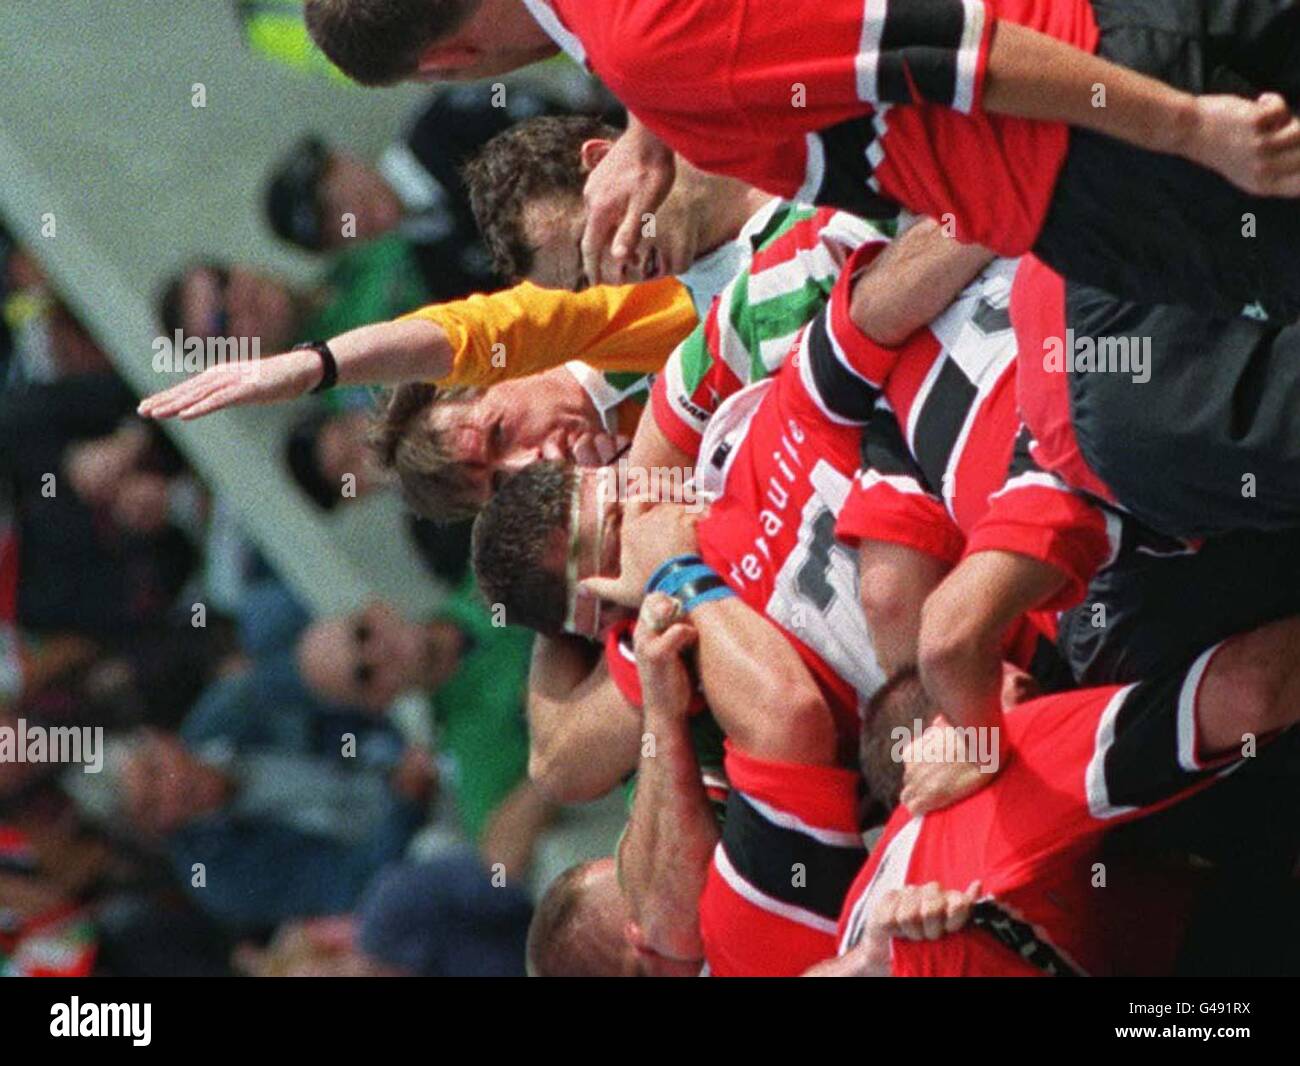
(1085, 761)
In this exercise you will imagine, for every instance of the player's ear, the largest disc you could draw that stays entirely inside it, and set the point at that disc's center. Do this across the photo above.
(593, 151)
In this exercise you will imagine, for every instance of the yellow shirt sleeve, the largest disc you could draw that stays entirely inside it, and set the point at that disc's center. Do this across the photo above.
(519, 331)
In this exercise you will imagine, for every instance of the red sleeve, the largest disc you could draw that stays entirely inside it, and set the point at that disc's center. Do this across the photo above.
(967, 953)
(736, 87)
(895, 508)
(620, 660)
(1037, 515)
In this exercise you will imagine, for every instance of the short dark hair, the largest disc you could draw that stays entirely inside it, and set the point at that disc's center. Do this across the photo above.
(513, 538)
(534, 159)
(434, 485)
(378, 42)
(897, 703)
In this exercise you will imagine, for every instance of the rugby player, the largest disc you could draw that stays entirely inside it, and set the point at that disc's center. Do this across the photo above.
(1028, 124)
(1086, 761)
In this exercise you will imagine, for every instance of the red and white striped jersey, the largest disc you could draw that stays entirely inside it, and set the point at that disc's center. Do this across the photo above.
(946, 469)
(865, 104)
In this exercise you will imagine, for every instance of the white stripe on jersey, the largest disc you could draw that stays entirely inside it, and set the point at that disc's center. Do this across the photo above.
(814, 169)
(837, 838)
(869, 478)
(968, 55)
(763, 901)
(867, 62)
(890, 873)
(1043, 479)
(876, 149)
(1187, 711)
(1099, 802)
(549, 21)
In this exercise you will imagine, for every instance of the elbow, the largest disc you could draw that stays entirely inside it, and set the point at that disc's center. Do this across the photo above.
(554, 778)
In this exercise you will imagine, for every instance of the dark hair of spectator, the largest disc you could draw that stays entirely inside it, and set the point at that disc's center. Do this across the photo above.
(304, 463)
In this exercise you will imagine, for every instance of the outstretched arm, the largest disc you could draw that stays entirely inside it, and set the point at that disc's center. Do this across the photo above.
(913, 281)
(963, 624)
(664, 856)
(480, 340)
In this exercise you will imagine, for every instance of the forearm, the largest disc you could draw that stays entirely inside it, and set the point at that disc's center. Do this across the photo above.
(758, 687)
(913, 281)
(894, 582)
(1031, 75)
(671, 834)
(390, 353)
(583, 734)
(511, 833)
(963, 624)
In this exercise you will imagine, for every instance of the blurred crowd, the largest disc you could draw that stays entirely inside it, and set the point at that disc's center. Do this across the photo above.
(261, 809)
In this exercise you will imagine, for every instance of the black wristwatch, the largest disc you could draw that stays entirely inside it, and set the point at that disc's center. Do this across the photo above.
(329, 376)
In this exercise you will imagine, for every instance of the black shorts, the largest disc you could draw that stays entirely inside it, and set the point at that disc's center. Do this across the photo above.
(1145, 615)
(1207, 441)
(1156, 228)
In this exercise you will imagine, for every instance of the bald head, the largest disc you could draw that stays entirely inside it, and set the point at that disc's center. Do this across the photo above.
(578, 927)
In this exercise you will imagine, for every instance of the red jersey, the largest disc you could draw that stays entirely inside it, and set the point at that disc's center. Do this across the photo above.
(1081, 763)
(777, 474)
(947, 469)
(865, 105)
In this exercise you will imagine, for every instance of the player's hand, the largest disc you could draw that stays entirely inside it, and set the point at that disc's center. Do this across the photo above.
(650, 533)
(1255, 144)
(632, 180)
(662, 634)
(932, 781)
(236, 384)
(923, 912)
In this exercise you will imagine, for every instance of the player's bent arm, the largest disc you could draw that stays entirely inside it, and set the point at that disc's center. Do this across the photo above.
(1251, 686)
(672, 831)
(583, 733)
(651, 449)
(758, 687)
(1255, 144)
(963, 623)
(913, 281)
(894, 582)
